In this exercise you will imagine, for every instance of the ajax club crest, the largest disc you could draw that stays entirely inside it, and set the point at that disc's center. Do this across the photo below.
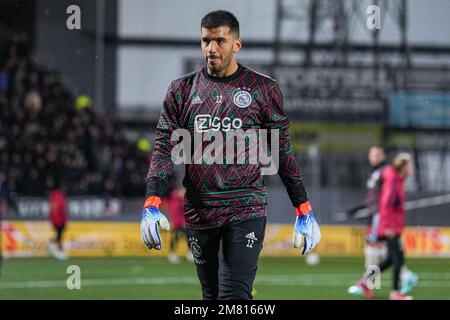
(242, 99)
(195, 247)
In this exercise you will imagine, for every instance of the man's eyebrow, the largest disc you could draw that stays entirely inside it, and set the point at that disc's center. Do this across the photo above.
(212, 39)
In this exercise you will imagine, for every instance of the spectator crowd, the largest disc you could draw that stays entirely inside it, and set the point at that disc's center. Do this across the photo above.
(48, 136)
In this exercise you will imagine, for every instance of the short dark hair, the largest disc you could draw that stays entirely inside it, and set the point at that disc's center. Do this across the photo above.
(221, 18)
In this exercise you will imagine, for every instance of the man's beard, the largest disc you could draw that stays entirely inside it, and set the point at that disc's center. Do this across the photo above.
(218, 67)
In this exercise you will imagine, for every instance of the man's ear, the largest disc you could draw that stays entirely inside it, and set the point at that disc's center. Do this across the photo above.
(237, 45)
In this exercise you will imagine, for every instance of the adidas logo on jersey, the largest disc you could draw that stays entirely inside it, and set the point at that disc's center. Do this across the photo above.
(196, 100)
(251, 236)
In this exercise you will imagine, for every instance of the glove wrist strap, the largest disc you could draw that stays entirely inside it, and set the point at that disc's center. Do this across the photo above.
(303, 209)
(152, 201)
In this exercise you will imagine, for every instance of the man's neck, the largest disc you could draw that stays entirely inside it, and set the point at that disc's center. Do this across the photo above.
(232, 68)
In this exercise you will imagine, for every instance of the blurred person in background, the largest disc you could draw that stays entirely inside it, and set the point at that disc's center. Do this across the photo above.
(58, 218)
(375, 250)
(174, 205)
(391, 206)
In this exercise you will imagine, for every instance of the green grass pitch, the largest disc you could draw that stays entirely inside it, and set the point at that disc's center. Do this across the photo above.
(155, 278)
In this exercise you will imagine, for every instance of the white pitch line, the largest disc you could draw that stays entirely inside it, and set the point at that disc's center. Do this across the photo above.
(422, 275)
(98, 282)
(275, 280)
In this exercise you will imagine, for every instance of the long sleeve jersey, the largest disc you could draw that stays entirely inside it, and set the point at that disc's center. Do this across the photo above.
(198, 103)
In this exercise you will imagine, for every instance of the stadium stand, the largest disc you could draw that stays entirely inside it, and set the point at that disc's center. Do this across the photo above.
(48, 134)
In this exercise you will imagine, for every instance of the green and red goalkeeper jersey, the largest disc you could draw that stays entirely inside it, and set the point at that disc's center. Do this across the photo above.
(217, 194)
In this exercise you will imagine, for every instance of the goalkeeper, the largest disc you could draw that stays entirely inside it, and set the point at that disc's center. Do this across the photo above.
(225, 204)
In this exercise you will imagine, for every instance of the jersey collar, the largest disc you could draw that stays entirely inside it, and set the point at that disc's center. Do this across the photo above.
(233, 76)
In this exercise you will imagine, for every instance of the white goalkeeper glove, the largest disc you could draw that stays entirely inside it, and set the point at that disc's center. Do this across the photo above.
(306, 231)
(151, 219)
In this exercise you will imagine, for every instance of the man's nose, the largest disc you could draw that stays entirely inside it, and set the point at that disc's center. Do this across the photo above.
(212, 46)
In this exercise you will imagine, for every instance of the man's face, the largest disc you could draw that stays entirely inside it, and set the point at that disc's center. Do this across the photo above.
(219, 47)
(376, 156)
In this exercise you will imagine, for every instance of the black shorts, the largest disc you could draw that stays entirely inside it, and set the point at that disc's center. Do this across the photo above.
(226, 258)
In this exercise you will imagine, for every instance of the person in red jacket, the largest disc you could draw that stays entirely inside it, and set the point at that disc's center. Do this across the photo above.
(392, 220)
(58, 218)
(174, 204)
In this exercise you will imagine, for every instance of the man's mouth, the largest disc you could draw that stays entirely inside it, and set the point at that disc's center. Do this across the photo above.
(213, 59)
